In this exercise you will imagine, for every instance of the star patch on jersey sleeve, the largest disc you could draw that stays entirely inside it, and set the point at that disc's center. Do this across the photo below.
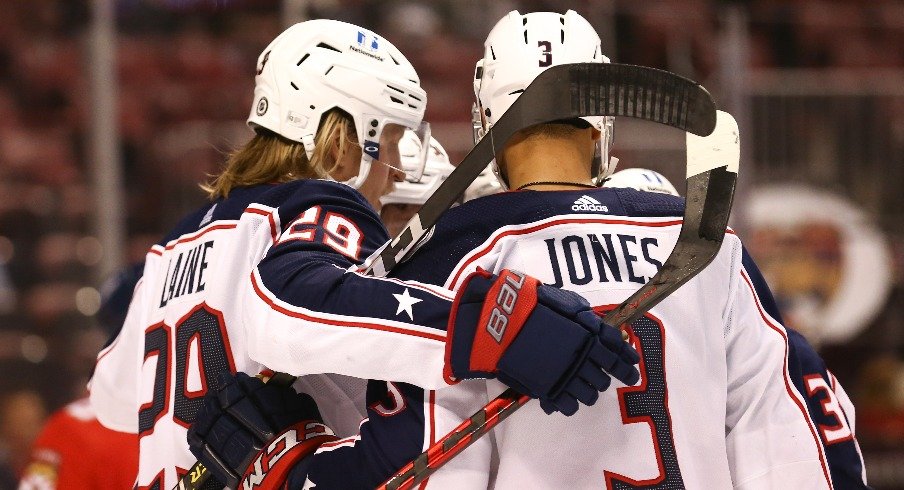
(406, 301)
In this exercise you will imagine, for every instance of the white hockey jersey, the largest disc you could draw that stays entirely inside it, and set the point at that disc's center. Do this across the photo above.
(261, 280)
(716, 406)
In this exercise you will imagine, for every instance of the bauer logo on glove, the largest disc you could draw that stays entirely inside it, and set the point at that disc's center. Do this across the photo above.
(498, 321)
(505, 304)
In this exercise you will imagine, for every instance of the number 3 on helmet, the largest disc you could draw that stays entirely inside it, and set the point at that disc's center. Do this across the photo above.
(519, 48)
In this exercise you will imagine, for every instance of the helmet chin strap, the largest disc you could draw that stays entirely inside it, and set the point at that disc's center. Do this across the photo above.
(363, 171)
(363, 168)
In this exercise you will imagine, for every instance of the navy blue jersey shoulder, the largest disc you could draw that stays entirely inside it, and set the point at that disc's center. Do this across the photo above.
(818, 387)
(359, 220)
(767, 301)
(297, 196)
(463, 228)
(810, 376)
(289, 197)
(327, 229)
(230, 208)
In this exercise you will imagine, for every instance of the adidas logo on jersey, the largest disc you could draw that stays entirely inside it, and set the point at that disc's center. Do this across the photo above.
(587, 203)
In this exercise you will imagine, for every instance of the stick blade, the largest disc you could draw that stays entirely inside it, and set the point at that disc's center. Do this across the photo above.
(712, 163)
(612, 89)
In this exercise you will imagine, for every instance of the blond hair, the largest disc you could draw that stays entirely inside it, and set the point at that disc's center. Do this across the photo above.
(271, 159)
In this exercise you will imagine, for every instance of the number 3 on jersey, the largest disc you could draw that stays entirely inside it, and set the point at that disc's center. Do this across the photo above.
(647, 403)
(819, 390)
(200, 353)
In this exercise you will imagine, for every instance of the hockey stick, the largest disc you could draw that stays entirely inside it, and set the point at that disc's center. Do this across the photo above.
(560, 92)
(712, 166)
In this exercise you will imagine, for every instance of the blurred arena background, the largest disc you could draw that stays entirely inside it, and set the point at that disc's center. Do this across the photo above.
(111, 112)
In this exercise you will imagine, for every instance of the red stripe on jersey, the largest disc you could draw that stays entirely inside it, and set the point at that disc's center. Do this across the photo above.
(803, 410)
(432, 417)
(339, 323)
(427, 288)
(191, 237)
(274, 232)
(457, 273)
(341, 442)
(199, 234)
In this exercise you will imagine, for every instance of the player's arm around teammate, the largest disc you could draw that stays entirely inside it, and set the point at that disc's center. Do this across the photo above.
(714, 408)
(306, 309)
(265, 275)
(380, 448)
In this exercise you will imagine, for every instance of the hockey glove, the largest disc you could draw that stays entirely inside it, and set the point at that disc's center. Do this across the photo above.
(543, 341)
(251, 434)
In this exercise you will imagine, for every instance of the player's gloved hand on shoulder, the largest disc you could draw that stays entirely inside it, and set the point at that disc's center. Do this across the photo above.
(251, 434)
(545, 342)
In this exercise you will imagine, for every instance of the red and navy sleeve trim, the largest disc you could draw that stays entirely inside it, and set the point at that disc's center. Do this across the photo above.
(793, 393)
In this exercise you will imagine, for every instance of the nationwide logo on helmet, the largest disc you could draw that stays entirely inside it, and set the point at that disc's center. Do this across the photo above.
(366, 48)
(374, 45)
(587, 203)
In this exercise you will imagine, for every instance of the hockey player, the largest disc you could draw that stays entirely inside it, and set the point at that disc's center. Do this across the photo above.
(265, 276)
(716, 405)
(827, 402)
(409, 195)
(74, 451)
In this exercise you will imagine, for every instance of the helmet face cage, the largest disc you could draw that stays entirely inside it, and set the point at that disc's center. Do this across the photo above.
(432, 174)
(320, 65)
(519, 48)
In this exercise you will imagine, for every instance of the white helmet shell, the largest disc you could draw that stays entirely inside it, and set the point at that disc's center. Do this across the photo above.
(319, 65)
(436, 170)
(485, 184)
(641, 179)
(519, 48)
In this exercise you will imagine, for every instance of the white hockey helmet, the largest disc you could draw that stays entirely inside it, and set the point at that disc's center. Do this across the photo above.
(322, 64)
(416, 190)
(641, 179)
(519, 48)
